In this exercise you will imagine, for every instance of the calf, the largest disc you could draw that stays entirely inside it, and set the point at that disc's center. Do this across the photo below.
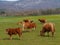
(47, 27)
(14, 31)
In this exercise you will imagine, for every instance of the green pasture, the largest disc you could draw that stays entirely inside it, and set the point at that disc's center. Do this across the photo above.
(29, 38)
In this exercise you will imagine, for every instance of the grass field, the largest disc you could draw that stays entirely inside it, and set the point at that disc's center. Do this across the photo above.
(29, 38)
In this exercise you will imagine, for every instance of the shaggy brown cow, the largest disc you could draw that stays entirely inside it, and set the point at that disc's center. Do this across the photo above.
(14, 31)
(42, 20)
(47, 27)
(28, 25)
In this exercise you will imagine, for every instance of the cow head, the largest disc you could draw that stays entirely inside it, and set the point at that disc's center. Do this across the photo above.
(7, 30)
(26, 20)
(31, 21)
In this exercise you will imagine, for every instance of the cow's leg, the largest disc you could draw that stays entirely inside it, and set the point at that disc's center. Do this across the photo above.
(52, 29)
(23, 27)
(19, 34)
(34, 28)
(52, 34)
(48, 34)
(10, 37)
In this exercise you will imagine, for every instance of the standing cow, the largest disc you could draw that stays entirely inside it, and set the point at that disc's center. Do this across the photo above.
(14, 31)
(27, 24)
(47, 27)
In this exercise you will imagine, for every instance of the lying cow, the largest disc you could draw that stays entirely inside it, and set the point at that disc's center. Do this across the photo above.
(47, 27)
(14, 31)
(42, 20)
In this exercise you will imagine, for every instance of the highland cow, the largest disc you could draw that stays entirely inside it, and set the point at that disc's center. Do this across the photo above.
(47, 27)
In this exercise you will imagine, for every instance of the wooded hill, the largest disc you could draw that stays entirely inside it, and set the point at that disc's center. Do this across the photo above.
(31, 12)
